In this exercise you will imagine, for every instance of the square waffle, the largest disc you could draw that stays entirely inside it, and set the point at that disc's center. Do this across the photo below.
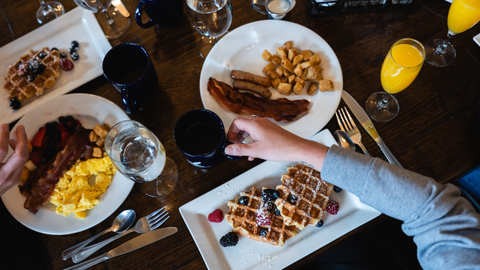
(18, 86)
(242, 218)
(311, 192)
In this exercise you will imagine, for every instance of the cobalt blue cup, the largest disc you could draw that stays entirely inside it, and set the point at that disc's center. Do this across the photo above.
(164, 12)
(200, 136)
(130, 70)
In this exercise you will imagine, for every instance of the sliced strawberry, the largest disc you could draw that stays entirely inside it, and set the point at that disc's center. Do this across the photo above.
(37, 155)
(65, 137)
(38, 139)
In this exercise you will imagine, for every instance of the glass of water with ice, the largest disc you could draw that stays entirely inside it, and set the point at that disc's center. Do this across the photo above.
(138, 154)
(211, 18)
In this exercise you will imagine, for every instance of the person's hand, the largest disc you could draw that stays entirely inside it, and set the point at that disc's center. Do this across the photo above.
(11, 170)
(271, 142)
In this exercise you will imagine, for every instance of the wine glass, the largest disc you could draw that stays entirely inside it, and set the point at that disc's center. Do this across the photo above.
(49, 11)
(138, 154)
(463, 14)
(400, 67)
(113, 23)
(211, 18)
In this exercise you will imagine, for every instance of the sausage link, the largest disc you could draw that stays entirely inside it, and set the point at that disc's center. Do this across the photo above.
(246, 76)
(255, 88)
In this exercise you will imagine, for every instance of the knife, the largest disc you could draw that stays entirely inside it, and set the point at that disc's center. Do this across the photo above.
(135, 243)
(367, 124)
(121, 8)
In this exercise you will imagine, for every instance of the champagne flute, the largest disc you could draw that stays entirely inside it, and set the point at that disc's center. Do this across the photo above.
(138, 154)
(462, 15)
(49, 11)
(211, 18)
(112, 22)
(400, 67)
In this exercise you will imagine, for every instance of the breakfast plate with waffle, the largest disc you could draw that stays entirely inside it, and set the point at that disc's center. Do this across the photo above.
(76, 25)
(271, 252)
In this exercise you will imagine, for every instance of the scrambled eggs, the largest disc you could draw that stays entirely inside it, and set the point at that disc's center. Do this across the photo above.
(73, 193)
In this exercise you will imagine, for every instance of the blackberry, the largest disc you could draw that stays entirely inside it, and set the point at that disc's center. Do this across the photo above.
(229, 240)
(63, 55)
(33, 65)
(292, 199)
(62, 119)
(277, 212)
(263, 232)
(269, 206)
(15, 103)
(320, 223)
(54, 49)
(243, 200)
(269, 195)
(74, 44)
(41, 68)
(42, 55)
(69, 118)
(74, 56)
(31, 78)
(337, 189)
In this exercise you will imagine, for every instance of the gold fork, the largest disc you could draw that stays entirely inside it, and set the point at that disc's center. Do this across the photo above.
(347, 125)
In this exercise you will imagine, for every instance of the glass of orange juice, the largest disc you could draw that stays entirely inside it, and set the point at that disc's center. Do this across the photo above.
(463, 14)
(400, 67)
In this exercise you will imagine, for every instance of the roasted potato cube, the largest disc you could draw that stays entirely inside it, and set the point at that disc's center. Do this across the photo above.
(275, 83)
(276, 60)
(288, 45)
(284, 79)
(287, 73)
(280, 71)
(313, 72)
(325, 85)
(298, 70)
(319, 77)
(291, 78)
(97, 152)
(281, 52)
(269, 66)
(297, 59)
(304, 74)
(29, 146)
(100, 142)
(306, 64)
(316, 59)
(272, 74)
(312, 88)
(287, 65)
(100, 130)
(107, 127)
(299, 80)
(93, 136)
(285, 88)
(267, 56)
(25, 174)
(291, 54)
(297, 88)
(306, 54)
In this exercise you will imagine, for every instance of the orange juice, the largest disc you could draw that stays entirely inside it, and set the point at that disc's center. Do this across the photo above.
(400, 67)
(463, 14)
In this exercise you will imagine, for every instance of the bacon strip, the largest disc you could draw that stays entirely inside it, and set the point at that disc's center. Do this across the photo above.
(281, 109)
(40, 185)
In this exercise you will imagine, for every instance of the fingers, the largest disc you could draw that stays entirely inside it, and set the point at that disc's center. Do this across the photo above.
(239, 149)
(20, 156)
(4, 133)
(237, 131)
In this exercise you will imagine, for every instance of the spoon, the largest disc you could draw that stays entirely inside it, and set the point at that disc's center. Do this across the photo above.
(344, 140)
(121, 223)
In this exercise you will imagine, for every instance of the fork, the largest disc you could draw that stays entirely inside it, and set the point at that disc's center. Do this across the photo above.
(347, 125)
(143, 225)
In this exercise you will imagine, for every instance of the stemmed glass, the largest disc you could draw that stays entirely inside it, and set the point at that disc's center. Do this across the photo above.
(211, 18)
(49, 11)
(138, 154)
(463, 14)
(112, 22)
(400, 67)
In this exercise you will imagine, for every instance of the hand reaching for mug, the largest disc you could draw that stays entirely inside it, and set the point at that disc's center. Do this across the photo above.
(271, 142)
(11, 170)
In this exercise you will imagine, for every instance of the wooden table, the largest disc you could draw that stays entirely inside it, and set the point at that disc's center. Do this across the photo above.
(436, 133)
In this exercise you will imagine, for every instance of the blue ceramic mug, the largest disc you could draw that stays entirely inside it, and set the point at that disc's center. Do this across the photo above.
(130, 70)
(164, 12)
(200, 136)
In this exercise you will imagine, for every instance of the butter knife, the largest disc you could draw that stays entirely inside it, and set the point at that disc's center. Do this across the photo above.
(367, 124)
(121, 8)
(135, 243)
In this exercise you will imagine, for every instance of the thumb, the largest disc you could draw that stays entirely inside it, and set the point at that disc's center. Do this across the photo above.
(239, 149)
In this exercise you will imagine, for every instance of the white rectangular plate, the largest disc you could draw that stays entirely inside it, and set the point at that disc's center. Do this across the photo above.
(78, 24)
(249, 254)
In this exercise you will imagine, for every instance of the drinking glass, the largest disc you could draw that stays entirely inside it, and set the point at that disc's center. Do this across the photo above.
(113, 23)
(400, 67)
(462, 15)
(49, 11)
(138, 154)
(211, 18)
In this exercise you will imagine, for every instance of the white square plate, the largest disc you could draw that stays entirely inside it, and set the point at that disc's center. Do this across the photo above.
(249, 254)
(77, 24)
(477, 39)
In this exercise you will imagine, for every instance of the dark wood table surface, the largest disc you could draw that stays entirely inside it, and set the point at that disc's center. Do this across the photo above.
(436, 133)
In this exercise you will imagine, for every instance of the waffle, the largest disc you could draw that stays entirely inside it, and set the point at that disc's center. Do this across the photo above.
(19, 86)
(312, 195)
(243, 220)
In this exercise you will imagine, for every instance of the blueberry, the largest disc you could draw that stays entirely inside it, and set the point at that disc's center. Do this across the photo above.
(62, 119)
(269, 206)
(42, 55)
(263, 232)
(277, 212)
(54, 49)
(63, 55)
(41, 68)
(31, 78)
(43, 160)
(72, 50)
(292, 199)
(69, 118)
(320, 223)
(337, 189)
(270, 195)
(243, 200)
(74, 56)
(75, 44)
(52, 124)
(15, 103)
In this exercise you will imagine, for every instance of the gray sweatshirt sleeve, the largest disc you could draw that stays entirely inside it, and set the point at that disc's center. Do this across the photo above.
(445, 227)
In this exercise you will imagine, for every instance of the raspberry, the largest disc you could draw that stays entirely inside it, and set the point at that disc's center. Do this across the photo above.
(263, 217)
(332, 207)
(66, 64)
(22, 69)
(216, 216)
(229, 240)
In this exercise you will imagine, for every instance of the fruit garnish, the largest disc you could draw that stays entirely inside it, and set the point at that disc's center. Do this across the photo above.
(38, 139)
(63, 55)
(22, 69)
(66, 64)
(75, 44)
(216, 216)
(15, 103)
(263, 217)
(332, 207)
(229, 240)
(74, 56)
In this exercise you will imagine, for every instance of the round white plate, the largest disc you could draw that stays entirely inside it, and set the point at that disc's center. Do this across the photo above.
(242, 49)
(90, 110)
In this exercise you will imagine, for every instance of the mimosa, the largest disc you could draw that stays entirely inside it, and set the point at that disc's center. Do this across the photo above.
(463, 14)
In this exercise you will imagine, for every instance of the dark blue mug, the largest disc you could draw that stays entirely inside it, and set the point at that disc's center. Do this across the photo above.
(200, 136)
(130, 70)
(164, 12)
